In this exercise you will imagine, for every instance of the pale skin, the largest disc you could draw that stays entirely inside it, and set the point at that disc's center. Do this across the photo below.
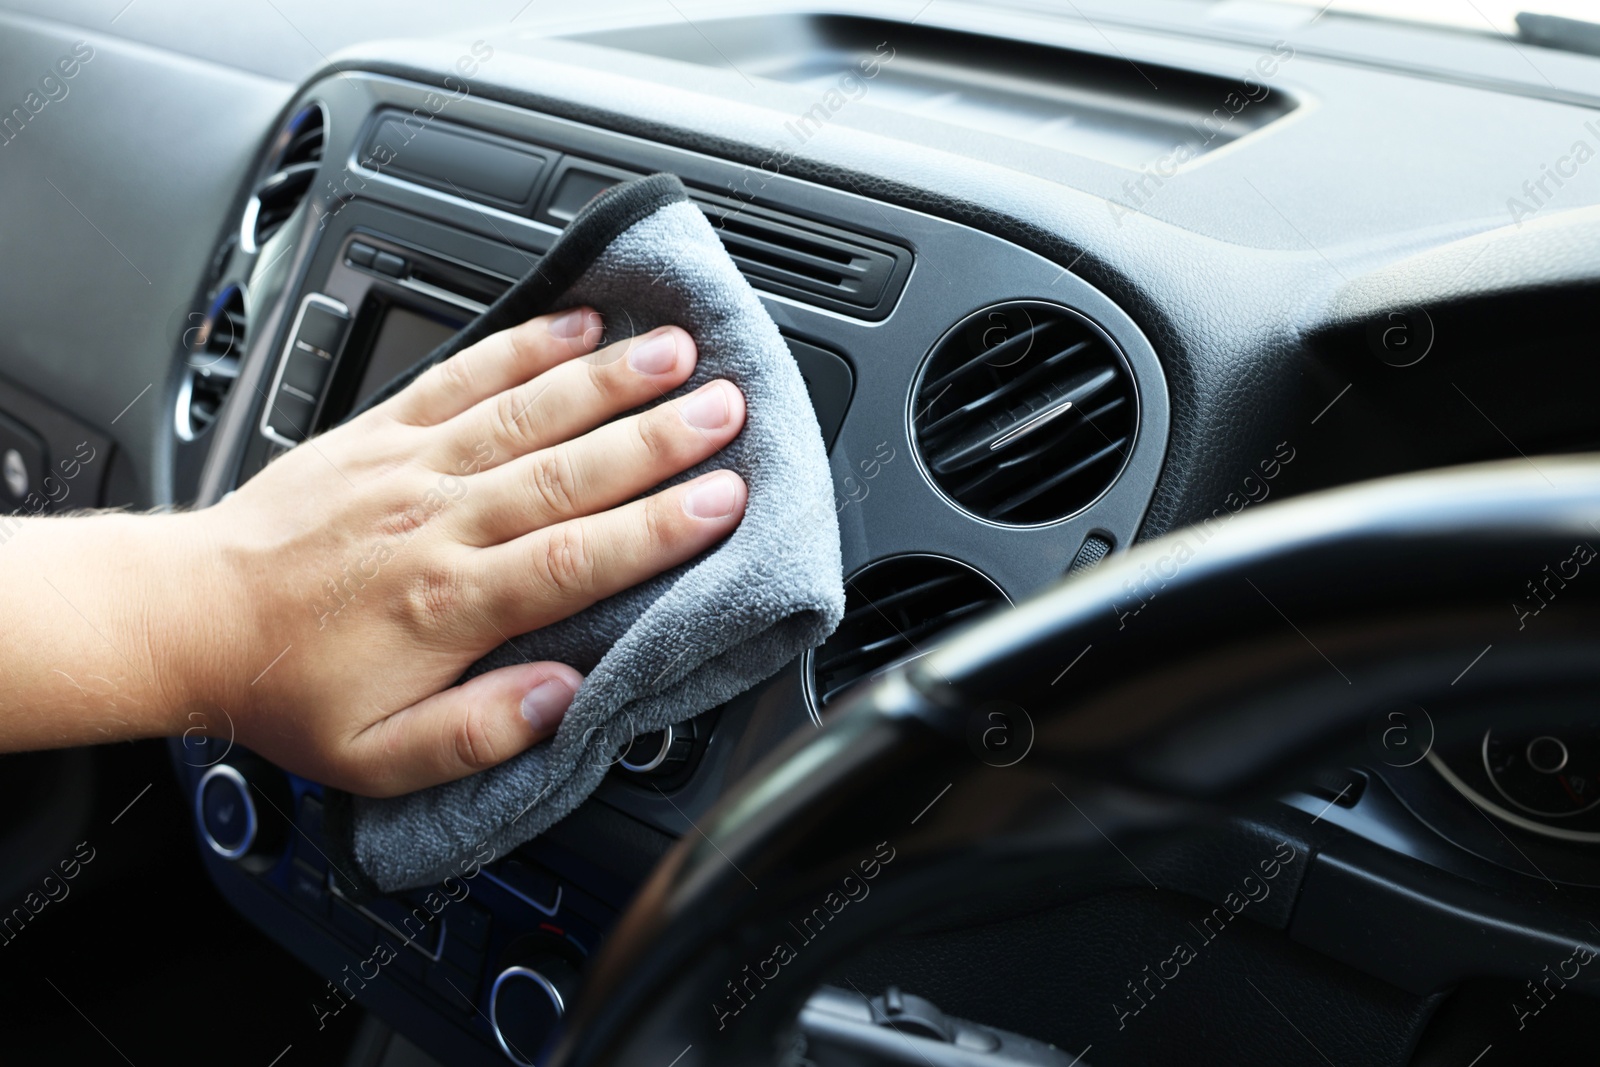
(323, 613)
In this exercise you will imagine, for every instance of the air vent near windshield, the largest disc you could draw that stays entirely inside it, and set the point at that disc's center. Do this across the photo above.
(297, 153)
(212, 350)
(1025, 413)
(811, 262)
(895, 610)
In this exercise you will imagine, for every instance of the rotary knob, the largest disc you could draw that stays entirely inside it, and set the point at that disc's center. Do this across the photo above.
(527, 1002)
(232, 824)
(660, 753)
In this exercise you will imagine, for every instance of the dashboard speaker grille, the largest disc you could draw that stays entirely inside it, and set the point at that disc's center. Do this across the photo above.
(293, 168)
(1024, 413)
(894, 611)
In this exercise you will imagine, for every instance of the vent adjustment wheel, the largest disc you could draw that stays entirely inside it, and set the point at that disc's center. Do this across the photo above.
(1024, 413)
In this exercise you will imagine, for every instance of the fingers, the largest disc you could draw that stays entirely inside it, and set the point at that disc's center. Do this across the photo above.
(495, 364)
(463, 730)
(604, 468)
(570, 398)
(544, 577)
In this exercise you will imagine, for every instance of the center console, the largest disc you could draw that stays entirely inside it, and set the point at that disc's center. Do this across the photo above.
(387, 213)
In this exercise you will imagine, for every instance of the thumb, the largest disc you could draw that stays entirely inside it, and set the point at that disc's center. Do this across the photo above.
(465, 729)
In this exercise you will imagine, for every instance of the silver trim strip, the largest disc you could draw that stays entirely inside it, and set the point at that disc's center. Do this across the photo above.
(438, 293)
(525, 898)
(1031, 425)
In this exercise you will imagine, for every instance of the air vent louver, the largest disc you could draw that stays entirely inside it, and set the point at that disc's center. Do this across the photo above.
(817, 264)
(1024, 414)
(212, 352)
(289, 178)
(895, 610)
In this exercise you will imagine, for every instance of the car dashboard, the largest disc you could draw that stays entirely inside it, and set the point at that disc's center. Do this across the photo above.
(1226, 238)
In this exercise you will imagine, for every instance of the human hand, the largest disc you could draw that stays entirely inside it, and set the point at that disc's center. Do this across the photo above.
(350, 583)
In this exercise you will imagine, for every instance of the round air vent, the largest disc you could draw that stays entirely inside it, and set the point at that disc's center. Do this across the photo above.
(212, 350)
(296, 155)
(1024, 413)
(894, 611)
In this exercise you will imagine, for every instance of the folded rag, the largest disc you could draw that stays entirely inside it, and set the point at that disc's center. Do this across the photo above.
(643, 256)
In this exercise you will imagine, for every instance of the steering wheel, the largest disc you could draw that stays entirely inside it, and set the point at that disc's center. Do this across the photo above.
(1189, 676)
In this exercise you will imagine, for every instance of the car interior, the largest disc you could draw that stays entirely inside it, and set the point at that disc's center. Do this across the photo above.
(1207, 391)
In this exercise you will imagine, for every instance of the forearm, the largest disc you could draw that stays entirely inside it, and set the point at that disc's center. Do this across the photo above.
(99, 639)
(322, 615)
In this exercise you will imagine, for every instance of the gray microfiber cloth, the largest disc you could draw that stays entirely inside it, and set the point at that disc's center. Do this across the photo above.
(643, 256)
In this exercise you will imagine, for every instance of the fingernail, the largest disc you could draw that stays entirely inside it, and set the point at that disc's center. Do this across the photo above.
(712, 498)
(655, 354)
(546, 703)
(707, 407)
(574, 323)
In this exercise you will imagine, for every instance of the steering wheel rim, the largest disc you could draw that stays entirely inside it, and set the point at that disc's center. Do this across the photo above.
(1261, 649)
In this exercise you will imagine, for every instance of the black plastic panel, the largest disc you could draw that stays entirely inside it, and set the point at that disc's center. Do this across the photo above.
(490, 169)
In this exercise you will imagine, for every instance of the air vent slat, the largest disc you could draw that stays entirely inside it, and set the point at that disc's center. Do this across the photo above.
(1025, 413)
(1007, 350)
(1041, 372)
(893, 600)
(212, 355)
(902, 637)
(819, 264)
(1003, 478)
(778, 267)
(1005, 508)
(978, 444)
(896, 610)
(288, 180)
(784, 238)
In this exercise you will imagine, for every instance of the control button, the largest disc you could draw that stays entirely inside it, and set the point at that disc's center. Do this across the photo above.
(386, 263)
(306, 371)
(360, 254)
(233, 821)
(576, 182)
(289, 416)
(22, 463)
(16, 473)
(321, 327)
(526, 1003)
(660, 752)
(226, 812)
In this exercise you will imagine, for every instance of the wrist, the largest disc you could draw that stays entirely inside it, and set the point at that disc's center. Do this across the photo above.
(185, 615)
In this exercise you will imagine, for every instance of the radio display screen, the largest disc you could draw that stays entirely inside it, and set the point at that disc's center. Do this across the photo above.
(403, 338)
